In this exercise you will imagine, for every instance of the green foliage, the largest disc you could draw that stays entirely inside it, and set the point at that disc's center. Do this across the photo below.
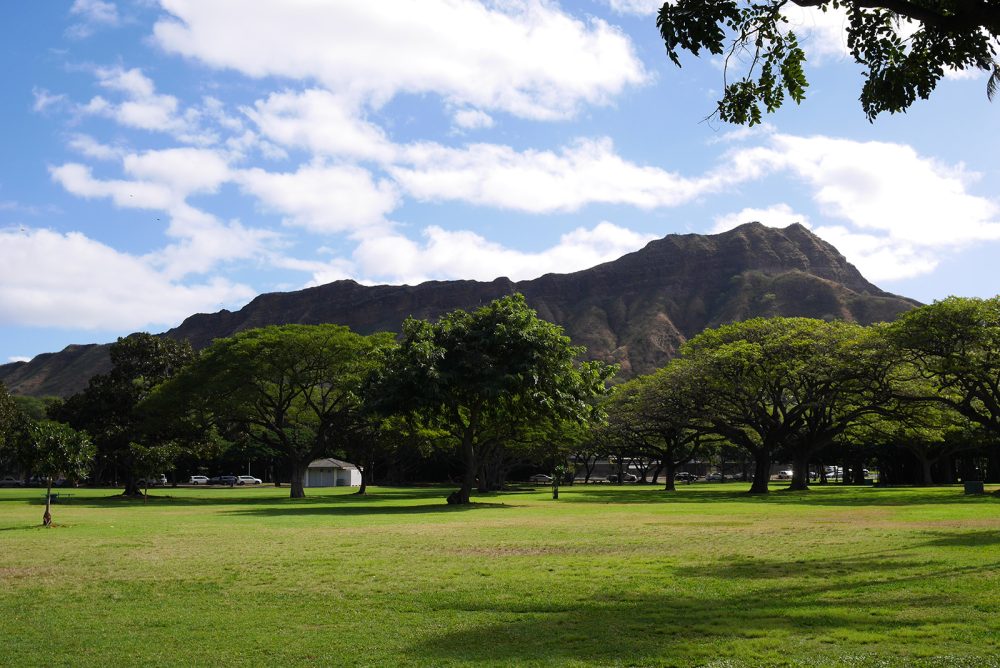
(108, 408)
(793, 384)
(905, 48)
(955, 345)
(488, 375)
(295, 389)
(9, 413)
(60, 450)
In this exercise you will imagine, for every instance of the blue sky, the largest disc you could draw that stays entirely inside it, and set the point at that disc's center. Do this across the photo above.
(167, 158)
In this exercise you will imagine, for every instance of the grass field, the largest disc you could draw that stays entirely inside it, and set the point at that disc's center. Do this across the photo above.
(605, 576)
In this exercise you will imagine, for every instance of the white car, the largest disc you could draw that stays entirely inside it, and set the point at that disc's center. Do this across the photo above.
(247, 480)
(198, 480)
(784, 475)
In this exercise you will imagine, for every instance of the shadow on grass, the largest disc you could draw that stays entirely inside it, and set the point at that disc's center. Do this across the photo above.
(833, 495)
(352, 510)
(695, 626)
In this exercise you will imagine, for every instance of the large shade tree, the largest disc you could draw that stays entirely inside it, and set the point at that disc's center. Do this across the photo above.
(788, 384)
(953, 348)
(904, 48)
(108, 408)
(295, 389)
(482, 376)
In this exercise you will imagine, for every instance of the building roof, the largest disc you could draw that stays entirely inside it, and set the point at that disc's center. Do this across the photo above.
(330, 463)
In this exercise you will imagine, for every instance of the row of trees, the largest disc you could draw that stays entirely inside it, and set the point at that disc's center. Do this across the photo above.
(805, 390)
(496, 385)
(497, 388)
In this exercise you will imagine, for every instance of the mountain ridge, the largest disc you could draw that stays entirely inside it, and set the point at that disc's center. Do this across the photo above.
(634, 311)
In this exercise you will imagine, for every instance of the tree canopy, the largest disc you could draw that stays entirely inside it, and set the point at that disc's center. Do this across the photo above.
(904, 46)
(292, 388)
(482, 376)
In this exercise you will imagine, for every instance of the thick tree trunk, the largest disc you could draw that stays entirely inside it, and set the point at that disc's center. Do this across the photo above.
(298, 478)
(671, 471)
(47, 517)
(762, 472)
(464, 494)
(800, 473)
(925, 468)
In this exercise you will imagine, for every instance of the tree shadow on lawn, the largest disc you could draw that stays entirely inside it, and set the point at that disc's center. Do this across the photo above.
(180, 497)
(354, 510)
(693, 626)
(817, 496)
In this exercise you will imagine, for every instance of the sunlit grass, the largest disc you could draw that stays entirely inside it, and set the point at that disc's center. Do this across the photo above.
(604, 576)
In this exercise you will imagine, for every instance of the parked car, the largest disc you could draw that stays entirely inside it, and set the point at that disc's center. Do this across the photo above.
(714, 477)
(153, 481)
(10, 481)
(223, 480)
(247, 480)
(198, 480)
(628, 477)
(784, 475)
(540, 478)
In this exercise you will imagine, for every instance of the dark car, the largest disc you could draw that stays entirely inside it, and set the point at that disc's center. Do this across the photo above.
(222, 480)
(628, 477)
(684, 476)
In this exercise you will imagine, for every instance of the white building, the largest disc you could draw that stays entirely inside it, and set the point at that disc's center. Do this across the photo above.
(331, 473)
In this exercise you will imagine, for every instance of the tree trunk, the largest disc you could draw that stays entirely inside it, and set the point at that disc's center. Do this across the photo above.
(469, 475)
(671, 471)
(800, 473)
(298, 475)
(762, 472)
(925, 467)
(47, 517)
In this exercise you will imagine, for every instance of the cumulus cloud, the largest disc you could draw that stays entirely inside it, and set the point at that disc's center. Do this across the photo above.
(888, 187)
(527, 58)
(143, 107)
(100, 289)
(323, 198)
(473, 119)
(585, 172)
(896, 211)
(778, 215)
(320, 122)
(445, 254)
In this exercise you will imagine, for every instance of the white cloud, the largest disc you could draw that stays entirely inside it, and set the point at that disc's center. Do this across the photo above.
(822, 34)
(320, 122)
(880, 258)
(79, 180)
(588, 171)
(183, 170)
(777, 215)
(45, 100)
(636, 7)
(889, 188)
(473, 119)
(49, 279)
(90, 147)
(899, 210)
(445, 254)
(204, 241)
(525, 57)
(92, 14)
(323, 198)
(144, 108)
(19, 358)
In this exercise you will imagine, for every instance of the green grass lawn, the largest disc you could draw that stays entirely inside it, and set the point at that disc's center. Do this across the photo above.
(606, 576)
